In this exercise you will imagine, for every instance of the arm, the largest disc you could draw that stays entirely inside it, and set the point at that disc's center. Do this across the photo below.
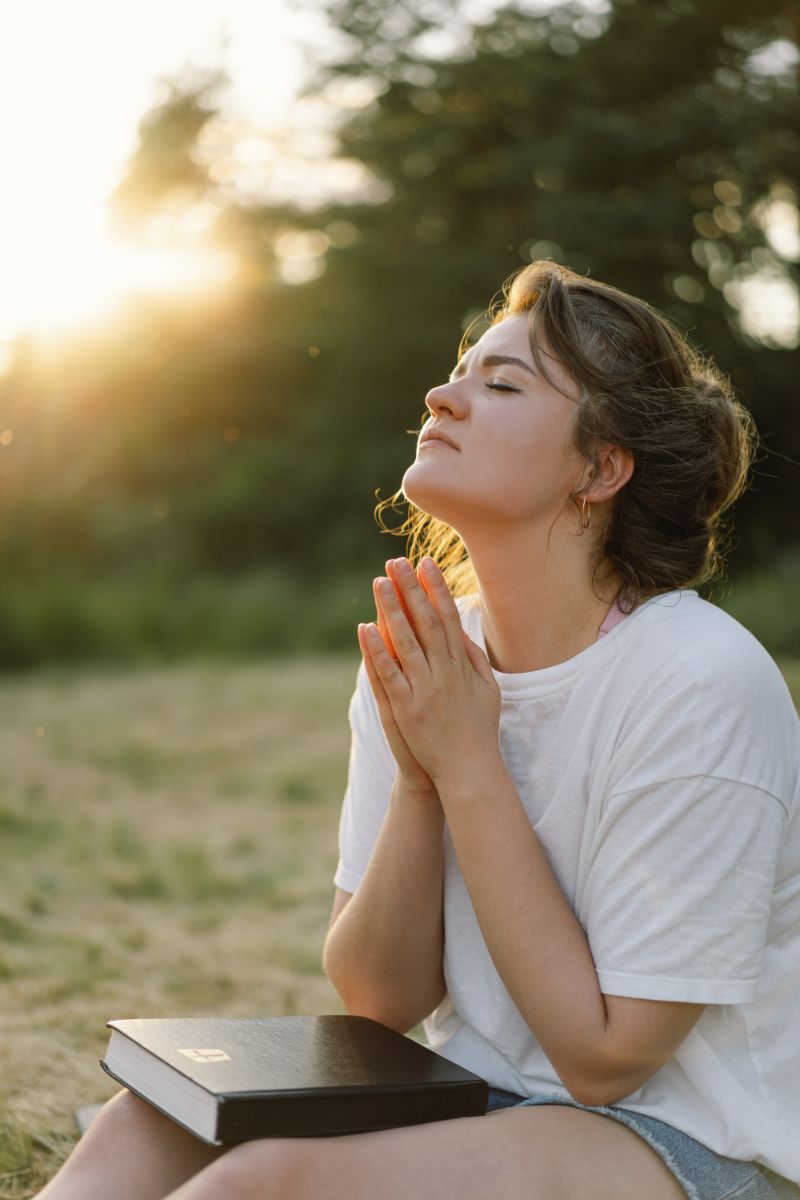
(602, 1047)
(446, 705)
(383, 951)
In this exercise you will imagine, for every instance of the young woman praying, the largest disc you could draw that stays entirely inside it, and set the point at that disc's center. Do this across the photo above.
(570, 842)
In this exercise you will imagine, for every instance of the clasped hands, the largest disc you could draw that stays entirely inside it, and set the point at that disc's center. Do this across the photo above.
(437, 697)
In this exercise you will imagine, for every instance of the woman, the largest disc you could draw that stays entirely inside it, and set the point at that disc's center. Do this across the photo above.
(570, 840)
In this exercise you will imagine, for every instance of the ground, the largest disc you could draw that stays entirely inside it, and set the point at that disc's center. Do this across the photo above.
(168, 846)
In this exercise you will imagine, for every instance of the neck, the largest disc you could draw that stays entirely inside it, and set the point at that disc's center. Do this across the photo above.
(539, 607)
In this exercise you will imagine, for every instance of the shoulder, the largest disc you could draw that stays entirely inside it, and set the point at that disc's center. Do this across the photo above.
(363, 708)
(693, 643)
(695, 686)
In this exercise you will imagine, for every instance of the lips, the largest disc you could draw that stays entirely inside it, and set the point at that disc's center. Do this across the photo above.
(435, 435)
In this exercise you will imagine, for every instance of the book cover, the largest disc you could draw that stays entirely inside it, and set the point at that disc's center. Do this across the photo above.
(232, 1079)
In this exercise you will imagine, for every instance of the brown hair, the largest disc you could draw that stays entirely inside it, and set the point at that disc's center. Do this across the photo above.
(642, 387)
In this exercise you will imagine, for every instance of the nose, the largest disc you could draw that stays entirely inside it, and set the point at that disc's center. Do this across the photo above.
(447, 398)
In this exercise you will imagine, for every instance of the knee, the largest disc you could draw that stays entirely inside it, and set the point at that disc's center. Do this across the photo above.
(127, 1120)
(120, 1112)
(268, 1166)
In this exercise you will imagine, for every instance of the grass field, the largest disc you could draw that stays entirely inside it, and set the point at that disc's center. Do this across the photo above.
(168, 847)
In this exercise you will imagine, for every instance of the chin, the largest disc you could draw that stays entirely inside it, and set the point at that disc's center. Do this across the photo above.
(467, 510)
(429, 493)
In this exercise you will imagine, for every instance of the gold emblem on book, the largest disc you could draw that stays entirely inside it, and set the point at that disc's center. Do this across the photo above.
(206, 1055)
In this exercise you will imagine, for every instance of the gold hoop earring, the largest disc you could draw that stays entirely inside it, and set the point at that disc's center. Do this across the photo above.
(586, 513)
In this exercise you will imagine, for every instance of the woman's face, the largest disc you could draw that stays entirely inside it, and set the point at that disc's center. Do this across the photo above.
(512, 458)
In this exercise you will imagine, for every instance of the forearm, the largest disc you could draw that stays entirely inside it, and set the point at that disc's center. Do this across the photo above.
(384, 952)
(536, 943)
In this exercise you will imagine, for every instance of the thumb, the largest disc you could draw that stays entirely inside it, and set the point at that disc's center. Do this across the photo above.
(478, 659)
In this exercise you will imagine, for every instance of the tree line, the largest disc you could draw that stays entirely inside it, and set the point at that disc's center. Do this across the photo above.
(653, 146)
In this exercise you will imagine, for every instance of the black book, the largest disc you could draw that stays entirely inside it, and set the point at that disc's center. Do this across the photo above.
(232, 1079)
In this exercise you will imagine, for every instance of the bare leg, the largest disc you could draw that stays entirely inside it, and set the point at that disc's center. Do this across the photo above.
(547, 1153)
(131, 1152)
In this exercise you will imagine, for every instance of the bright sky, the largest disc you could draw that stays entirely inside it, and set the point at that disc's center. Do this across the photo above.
(75, 78)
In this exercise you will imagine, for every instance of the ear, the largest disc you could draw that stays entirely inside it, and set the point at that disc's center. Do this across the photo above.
(614, 469)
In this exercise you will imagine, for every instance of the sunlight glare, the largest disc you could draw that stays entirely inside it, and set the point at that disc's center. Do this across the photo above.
(79, 282)
(769, 305)
(75, 102)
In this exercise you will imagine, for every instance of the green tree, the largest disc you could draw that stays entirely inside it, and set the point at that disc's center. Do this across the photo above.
(652, 145)
(649, 145)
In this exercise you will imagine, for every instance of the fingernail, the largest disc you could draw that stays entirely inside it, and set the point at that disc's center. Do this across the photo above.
(385, 586)
(403, 566)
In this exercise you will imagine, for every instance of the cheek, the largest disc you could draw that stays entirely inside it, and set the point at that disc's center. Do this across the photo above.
(513, 472)
(533, 457)
(528, 475)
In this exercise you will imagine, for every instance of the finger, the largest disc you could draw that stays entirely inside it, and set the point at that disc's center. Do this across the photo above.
(422, 615)
(409, 651)
(479, 660)
(435, 584)
(378, 690)
(383, 628)
(394, 575)
(390, 676)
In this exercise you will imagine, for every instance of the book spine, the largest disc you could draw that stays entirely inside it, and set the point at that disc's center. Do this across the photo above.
(244, 1118)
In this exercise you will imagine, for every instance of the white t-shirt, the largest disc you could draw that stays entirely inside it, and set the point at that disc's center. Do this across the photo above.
(660, 769)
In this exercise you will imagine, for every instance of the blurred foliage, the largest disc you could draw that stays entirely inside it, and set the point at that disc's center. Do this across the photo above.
(192, 450)
(165, 166)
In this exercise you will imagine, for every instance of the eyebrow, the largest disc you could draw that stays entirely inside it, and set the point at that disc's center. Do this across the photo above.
(495, 360)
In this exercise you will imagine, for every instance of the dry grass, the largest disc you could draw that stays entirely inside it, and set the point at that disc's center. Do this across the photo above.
(169, 841)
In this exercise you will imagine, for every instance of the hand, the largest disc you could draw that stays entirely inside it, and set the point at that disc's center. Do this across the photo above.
(410, 774)
(440, 697)
(383, 628)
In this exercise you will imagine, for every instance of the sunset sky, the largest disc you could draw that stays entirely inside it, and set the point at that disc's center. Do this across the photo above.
(76, 78)
(74, 81)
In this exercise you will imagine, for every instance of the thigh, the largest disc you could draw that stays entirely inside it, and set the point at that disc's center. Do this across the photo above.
(546, 1153)
(133, 1149)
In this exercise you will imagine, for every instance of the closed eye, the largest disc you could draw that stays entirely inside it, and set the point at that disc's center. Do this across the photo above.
(501, 387)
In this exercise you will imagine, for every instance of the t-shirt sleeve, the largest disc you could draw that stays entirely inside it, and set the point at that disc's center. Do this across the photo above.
(370, 778)
(679, 889)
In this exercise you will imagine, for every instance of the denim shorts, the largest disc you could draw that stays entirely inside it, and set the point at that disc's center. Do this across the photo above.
(702, 1174)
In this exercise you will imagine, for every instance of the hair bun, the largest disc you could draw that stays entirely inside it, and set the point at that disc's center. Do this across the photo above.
(643, 386)
(730, 430)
